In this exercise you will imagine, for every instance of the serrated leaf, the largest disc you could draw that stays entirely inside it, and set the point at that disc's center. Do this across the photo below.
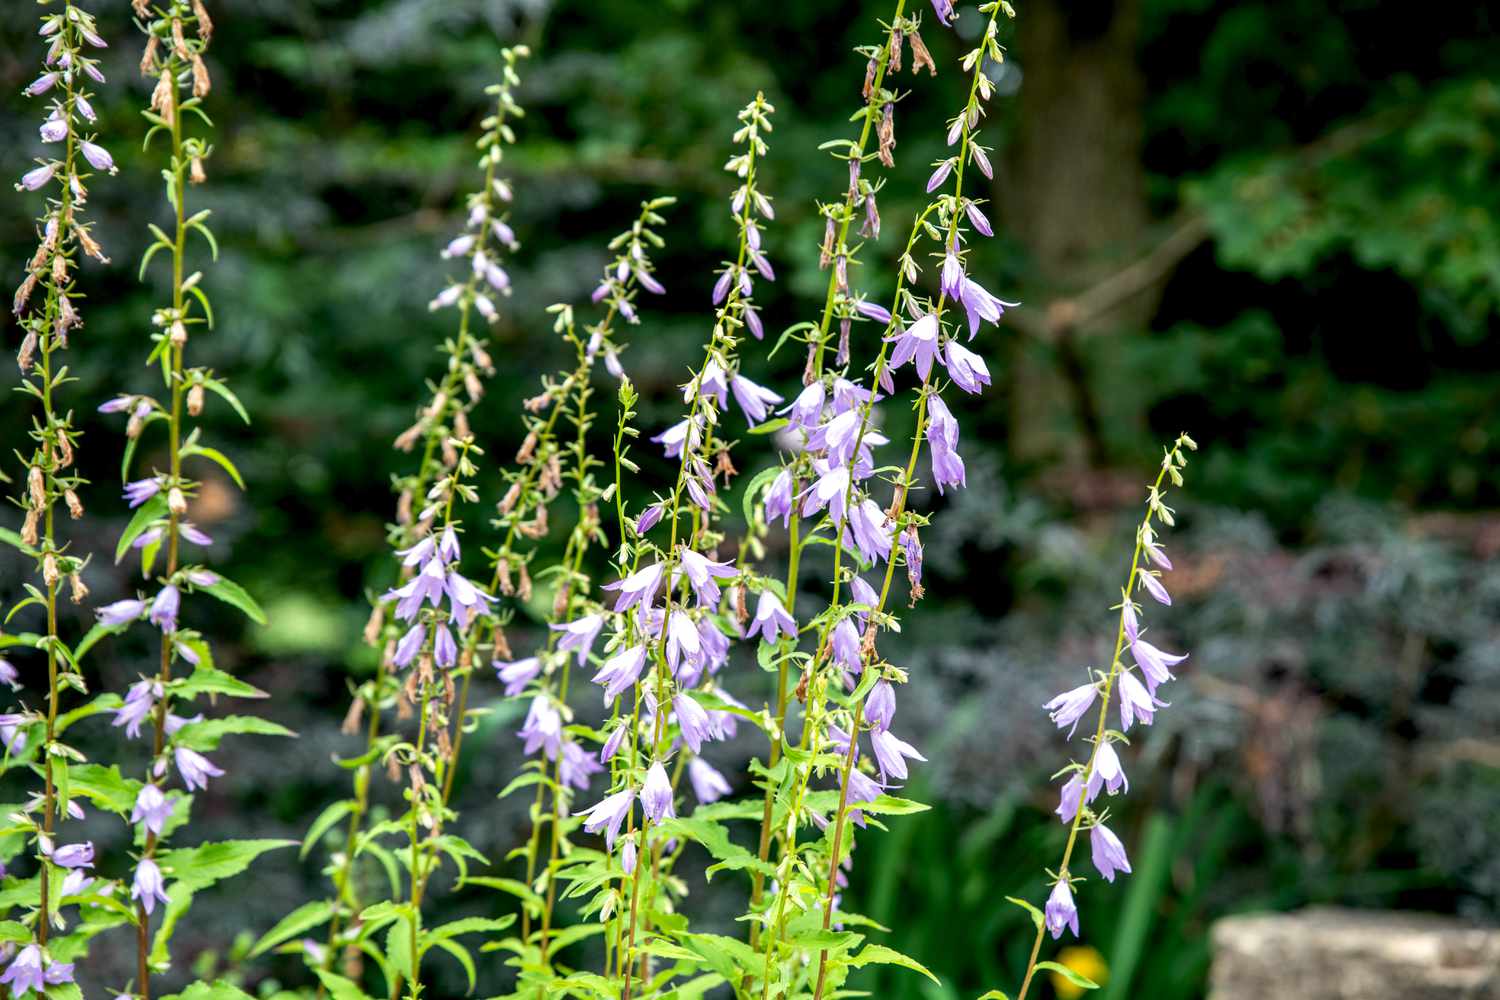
(880, 954)
(461, 953)
(470, 925)
(325, 822)
(202, 866)
(204, 736)
(152, 510)
(234, 595)
(301, 920)
(211, 680)
(216, 990)
(340, 988)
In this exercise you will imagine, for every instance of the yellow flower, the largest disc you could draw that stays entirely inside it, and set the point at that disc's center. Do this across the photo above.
(1086, 962)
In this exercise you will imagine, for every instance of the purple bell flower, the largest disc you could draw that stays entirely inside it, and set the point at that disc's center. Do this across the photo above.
(708, 784)
(195, 768)
(638, 588)
(656, 794)
(148, 886)
(120, 612)
(608, 814)
(620, 672)
(693, 721)
(891, 754)
(151, 809)
(579, 635)
(1136, 702)
(164, 609)
(918, 343)
(771, 619)
(1067, 708)
(517, 674)
(1060, 912)
(1109, 853)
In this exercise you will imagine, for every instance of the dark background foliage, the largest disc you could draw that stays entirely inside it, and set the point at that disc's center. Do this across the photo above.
(1273, 225)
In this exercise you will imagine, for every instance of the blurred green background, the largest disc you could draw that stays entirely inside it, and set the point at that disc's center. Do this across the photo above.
(1276, 226)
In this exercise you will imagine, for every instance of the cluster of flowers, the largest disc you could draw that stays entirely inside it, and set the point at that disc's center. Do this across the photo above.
(47, 310)
(658, 638)
(1135, 686)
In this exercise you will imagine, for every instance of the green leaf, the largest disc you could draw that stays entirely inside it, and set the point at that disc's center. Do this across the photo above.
(179, 898)
(890, 805)
(461, 953)
(1076, 978)
(218, 457)
(205, 735)
(202, 866)
(93, 635)
(340, 988)
(770, 427)
(152, 510)
(714, 838)
(233, 594)
(11, 538)
(515, 887)
(105, 787)
(216, 990)
(301, 920)
(211, 680)
(471, 925)
(994, 995)
(1036, 915)
(325, 822)
(15, 931)
(213, 385)
(882, 955)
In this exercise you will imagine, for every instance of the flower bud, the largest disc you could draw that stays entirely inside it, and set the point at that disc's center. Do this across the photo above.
(195, 400)
(50, 573)
(75, 506)
(196, 173)
(179, 333)
(176, 502)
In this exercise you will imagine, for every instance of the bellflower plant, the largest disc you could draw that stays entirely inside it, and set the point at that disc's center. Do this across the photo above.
(159, 533)
(1129, 687)
(655, 602)
(426, 627)
(47, 311)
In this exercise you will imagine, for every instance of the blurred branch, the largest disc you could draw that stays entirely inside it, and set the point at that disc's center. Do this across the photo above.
(1188, 230)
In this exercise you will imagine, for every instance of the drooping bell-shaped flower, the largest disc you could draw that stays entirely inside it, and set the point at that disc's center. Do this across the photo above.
(1067, 708)
(1060, 912)
(891, 754)
(148, 887)
(638, 588)
(708, 784)
(771, 619)
(656, 794)
(608, 814)
(918, 343)
(1108, 851)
